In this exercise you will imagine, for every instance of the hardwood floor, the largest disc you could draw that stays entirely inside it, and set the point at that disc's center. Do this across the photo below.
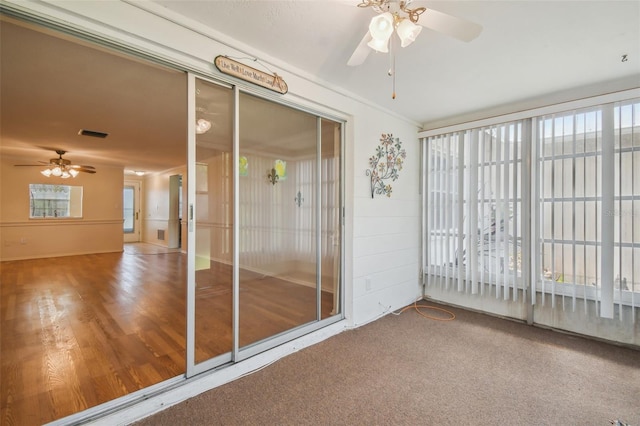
(78, 331)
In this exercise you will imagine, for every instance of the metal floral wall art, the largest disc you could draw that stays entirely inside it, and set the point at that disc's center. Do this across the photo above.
(385, 164)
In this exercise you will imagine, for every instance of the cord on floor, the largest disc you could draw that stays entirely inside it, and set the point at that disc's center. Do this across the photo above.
(417, 307)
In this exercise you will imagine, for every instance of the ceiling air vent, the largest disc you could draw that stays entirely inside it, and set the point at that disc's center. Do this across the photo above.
(93, 133)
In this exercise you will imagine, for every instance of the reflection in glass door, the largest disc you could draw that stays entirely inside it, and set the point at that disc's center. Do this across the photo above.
(288, 246)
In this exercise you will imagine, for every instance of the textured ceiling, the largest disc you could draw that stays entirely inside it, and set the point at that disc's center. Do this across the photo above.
(527, 49)
(51, 88)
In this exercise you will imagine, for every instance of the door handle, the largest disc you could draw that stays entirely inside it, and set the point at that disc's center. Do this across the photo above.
(136, 215)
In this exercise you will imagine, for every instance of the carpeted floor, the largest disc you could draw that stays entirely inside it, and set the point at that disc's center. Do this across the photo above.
(409, 370)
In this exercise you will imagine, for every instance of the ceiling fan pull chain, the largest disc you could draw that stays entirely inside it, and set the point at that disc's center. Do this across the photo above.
(393, 96)
(392, 67)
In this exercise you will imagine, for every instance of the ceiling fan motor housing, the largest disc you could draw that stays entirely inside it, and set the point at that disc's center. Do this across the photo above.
(59, 161)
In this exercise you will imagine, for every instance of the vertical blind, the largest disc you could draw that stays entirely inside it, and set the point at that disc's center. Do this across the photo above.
(268, 218)
(286, 229)
(589, 194)
(474, 211)
(544, 204)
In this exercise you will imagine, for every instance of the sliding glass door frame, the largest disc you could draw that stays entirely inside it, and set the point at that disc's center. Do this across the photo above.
(238, 353)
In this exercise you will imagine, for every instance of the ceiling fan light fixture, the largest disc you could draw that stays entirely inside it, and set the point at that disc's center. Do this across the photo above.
(381, 46)
(63, 171)
(381, 26)
(407, 31)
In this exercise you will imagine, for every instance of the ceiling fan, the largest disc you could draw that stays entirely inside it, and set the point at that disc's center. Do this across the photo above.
(61, 167)
(396, 15)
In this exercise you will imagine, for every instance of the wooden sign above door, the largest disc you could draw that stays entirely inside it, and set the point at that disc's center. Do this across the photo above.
(236, 69)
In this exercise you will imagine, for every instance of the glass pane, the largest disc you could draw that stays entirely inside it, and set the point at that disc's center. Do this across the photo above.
(278, 241)
(54, 201)
(128, 209)
(331, 142)
(213, 217)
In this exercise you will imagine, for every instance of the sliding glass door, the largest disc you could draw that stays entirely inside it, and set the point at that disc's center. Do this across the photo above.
(264, 227)
(279, 190)
(210, 224)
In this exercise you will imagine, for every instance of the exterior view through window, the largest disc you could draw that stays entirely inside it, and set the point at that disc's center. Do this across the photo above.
(54, 201)
(553, 199)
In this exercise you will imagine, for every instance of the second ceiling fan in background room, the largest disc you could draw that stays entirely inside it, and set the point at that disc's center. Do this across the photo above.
(396, 16)
(60, 167)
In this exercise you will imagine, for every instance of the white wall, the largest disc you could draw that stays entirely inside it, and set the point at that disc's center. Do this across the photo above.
(386, 230)
(155, 205)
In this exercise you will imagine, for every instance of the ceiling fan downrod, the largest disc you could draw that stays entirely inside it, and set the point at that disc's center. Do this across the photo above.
(393, 15)
(393, 6)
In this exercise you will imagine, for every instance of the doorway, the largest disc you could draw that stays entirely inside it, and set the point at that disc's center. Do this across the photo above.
(174, 224)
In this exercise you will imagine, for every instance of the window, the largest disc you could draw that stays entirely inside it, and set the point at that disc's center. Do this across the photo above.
(474, 208)
(589, 195)
(578, 201)
(54, 201)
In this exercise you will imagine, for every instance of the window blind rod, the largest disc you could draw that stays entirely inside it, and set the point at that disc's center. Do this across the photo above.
(534, 112)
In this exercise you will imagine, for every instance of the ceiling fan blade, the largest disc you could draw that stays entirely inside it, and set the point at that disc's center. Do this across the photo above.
(362, 51)
(81, 169)
(62, 163)
(450, 25)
